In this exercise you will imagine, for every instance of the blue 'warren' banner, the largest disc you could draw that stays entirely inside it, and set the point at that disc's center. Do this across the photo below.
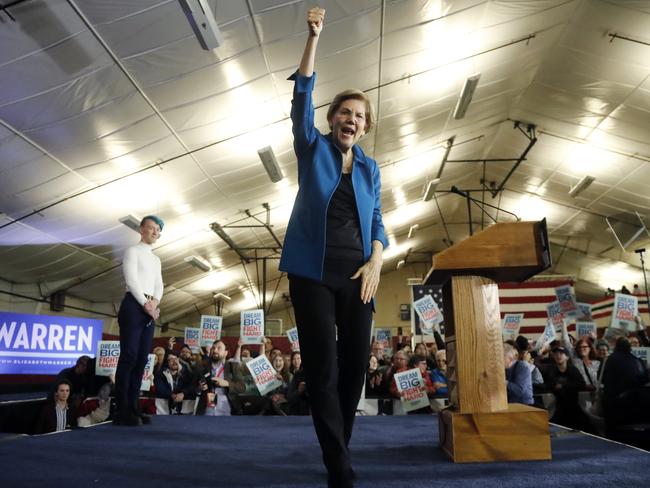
(45, 344)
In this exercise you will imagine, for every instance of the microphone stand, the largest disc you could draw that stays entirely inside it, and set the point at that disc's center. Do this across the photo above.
(466, 194)
(645, 279)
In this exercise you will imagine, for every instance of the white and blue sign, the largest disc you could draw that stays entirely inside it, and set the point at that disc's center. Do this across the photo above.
(45, 344)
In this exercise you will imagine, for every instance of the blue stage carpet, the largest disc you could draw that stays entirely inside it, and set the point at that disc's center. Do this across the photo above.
(402, 451)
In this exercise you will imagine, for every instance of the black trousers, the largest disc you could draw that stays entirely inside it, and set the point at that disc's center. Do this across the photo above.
(334, 369)
(136, 339)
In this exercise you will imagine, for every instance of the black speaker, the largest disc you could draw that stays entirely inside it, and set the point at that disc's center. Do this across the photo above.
(57, 301)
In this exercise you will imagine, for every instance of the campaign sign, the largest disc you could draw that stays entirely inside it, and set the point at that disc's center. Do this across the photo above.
(383, 337)
(252, 326)
(108, 354)
(567, 300)
(554, 312)
(429, 313)
(210, 329)
(193, 338)
(410, 386)
(292, 334)
(643, 353)
(45, 344)
(625, 308)
(586, 329)
(584, 312)
(510, 325)
(547, 336)
(264, 375)
(147, 376)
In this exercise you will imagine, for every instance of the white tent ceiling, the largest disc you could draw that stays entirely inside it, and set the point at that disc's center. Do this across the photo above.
(112, 108)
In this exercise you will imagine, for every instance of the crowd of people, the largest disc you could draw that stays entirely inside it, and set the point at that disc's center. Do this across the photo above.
(578, 380)
(595, 385)
(211, 382)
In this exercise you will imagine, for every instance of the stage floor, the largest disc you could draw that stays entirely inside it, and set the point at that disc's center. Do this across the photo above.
(400, 451)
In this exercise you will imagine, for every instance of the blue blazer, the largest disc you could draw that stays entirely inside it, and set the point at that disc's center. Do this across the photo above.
(320, 165)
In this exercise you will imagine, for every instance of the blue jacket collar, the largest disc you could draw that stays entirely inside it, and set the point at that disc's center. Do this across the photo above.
(359, 155)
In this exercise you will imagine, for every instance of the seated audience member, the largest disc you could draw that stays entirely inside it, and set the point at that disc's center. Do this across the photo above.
(626, 399)
(248, 402)
(421, 349)
(267, 347)
(78, 377)
(419, 361)
(602, 350)
(374, 379)
(278, 404)
(297, 394)
(98, 410)
(161, 359)
(377, 349)
(432, 350)
(174, 383)
(296, 362)
(245, 355)
(225, 379)
(564, 380)
(57, 414)
(274, 352)
(406, 348)
(519, 384)
(523, 351)
(186, 357)
(439, 374)
(399, 364)
(586, 362)
(640, 332)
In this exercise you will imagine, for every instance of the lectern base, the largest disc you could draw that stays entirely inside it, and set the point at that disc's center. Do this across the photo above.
(520, 433)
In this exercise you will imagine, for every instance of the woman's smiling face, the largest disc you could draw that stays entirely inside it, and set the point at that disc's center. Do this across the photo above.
(348, 123)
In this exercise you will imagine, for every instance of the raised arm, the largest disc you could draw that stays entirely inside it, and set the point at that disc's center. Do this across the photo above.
(315, 18)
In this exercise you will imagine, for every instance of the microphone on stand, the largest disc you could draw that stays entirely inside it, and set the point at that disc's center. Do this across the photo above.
(478, 203)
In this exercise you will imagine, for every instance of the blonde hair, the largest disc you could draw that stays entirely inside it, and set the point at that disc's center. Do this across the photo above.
(353, 94)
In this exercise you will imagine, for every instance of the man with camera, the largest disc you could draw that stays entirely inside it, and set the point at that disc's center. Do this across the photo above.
(223, 379)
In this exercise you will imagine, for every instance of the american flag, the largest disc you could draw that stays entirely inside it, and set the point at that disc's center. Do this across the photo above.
(529, 298)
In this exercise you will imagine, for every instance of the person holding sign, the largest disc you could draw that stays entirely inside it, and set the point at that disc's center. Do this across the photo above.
(136, 317)
(332, 253)
(586, 362)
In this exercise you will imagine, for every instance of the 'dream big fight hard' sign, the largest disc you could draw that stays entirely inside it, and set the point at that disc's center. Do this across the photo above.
(252, 326)
(264, 375)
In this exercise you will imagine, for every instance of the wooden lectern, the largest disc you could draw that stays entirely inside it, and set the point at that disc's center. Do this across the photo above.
(480, 425)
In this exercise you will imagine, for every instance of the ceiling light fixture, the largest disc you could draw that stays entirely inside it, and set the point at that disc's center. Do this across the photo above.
(400, 264)
(203, 24)
(199, 262)
(466, 95)
(412, 230)
(270, 163)
(581, 186)
(221, 297)
(430, 189)
(131, 222)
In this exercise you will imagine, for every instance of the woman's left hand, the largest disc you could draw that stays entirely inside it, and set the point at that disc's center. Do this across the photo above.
(369, 274)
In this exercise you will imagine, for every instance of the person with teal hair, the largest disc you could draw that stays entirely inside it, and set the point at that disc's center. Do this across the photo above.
(138, 313)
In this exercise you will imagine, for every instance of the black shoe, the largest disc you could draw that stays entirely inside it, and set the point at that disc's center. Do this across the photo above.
(127, 419)
(341, 480)
(145, 418)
